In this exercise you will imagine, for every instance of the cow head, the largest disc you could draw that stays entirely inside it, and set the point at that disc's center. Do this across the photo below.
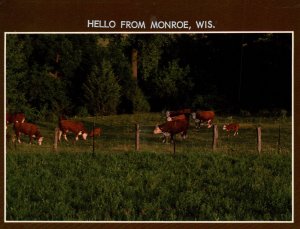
(157, 130)
(84, 136)
(40, 140)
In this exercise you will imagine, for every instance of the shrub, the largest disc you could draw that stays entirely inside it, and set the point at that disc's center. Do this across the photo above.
(140, 104)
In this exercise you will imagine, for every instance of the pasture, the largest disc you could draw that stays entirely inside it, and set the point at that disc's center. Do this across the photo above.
(234, 182)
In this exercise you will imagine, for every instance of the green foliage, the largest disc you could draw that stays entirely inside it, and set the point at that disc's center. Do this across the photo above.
(152, 48)
(174, 71)
(16, 73)
(44, 91)
(140, 104)
(102, 91)
(148, 186)
(118, 183)
(170, 78)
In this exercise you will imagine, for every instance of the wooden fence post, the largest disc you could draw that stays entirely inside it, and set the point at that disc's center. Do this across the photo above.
(279, 146)
(259, 139)
(174, 144)
(215, 137)
(94, 136)
(56, 133)
(137, 137)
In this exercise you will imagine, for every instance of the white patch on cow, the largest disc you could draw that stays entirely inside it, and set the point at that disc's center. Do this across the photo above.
(169, 119)
(76, 138)
(80, 133)
(224, 127)
(19, 140)
(194, 115)
(33, 136)
(168, 114)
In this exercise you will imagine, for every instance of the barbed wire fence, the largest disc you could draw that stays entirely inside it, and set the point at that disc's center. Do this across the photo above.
(139, 137)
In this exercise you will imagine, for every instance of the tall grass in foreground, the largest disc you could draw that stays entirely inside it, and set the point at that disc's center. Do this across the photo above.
(148, 186)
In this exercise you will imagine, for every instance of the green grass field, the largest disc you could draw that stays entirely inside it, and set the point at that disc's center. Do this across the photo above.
(116, 183)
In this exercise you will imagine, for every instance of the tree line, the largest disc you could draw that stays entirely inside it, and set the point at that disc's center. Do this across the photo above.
(101, 74)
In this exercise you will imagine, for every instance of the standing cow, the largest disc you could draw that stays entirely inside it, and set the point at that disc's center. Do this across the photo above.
(232, 127)
(202, 117)
(75, 127)
(29, 129)
(171, 128)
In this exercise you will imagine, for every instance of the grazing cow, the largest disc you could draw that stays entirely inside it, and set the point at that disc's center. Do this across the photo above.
(75, 127)
(17, 117)
(95, 132)
(171, 128)
(202, 117)
(232, 127)
(29, 129)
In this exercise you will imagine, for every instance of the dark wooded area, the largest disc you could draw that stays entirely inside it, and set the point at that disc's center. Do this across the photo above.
(89, 74)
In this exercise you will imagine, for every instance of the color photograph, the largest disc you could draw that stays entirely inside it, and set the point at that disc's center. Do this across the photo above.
(149, 126)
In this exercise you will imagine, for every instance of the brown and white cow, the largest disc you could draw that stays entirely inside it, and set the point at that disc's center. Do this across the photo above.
(232, 127)
(202, 117)
(95, 132)
(75, 127)
(29, 129)
(172, 128)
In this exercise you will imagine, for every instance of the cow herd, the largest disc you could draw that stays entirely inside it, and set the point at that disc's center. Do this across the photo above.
(20, 126)
(177, 122)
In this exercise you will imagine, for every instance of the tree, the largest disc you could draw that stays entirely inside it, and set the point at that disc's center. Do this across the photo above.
(16, 72)
(171, 86)
(101, 90)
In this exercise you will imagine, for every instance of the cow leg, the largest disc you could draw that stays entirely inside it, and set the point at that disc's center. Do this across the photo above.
(18, 136)
(197, 123)
(30, 139)
(184, 134)
(59, 135)
(164, 139)
(171, 139)
(65, 137)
